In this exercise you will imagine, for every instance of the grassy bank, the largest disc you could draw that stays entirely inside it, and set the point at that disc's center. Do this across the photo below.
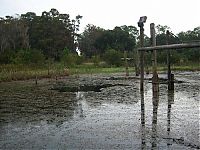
(24, 72)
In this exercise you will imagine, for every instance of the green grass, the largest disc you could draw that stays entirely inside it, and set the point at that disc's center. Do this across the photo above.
(23, 72)
(93, 70)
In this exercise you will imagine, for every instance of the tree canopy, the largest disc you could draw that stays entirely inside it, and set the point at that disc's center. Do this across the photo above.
(48, 35)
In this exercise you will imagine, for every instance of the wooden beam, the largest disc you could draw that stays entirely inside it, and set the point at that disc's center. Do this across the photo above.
(172, 46)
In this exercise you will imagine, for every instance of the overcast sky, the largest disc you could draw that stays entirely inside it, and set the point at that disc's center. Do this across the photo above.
(179, 15)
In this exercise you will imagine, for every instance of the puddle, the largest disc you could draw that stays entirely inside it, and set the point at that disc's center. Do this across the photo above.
(115, 116)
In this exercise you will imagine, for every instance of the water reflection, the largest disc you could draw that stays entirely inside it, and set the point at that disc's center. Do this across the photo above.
(81, 103)
(170, 102)
(143, 134)
(155, 102)
(154, 123)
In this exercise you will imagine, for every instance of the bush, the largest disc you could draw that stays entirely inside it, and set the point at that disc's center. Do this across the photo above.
(6, 56)
(96, 60)
(113, 57)
(28, 56)
(71, 59)
(79, 59)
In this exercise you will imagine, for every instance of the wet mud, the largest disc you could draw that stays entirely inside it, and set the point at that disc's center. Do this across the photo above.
(100, 112)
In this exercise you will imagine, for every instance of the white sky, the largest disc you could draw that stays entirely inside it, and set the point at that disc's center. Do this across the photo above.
(179, 15)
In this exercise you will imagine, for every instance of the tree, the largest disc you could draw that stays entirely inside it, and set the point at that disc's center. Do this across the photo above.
(190, 36)
(52, 32)
(14, 36)
(88, 38)
(113, 57)
(120, 38)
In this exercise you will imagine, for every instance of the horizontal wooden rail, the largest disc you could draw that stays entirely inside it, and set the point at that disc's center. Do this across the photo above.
(172, 46)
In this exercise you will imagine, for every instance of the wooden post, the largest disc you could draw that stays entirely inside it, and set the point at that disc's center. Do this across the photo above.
(168, 57)
(48, 68)
(56, 78)
(169, 74)
(171, 82)
(126, 63)
(36, 80)
(155, 80)
(137, 69)
(142, 59)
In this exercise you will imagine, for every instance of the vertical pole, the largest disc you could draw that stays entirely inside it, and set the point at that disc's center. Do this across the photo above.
(170, 76)
(137, 70)
(155, 87)
(155, 81)
(36, 80)
(48, 68)
(142, 58)
(168, 57)
(126, 63)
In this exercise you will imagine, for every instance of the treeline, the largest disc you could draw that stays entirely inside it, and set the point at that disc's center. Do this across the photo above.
(29, 38)
(32, 38)
(97, 41)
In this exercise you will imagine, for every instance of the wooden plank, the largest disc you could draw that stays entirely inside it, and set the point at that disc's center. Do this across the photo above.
(172, 46)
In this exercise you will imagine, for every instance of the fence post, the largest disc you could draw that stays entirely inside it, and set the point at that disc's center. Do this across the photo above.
(155, 80)
(170, 76)
(141, 25)
(141, 59)
(126, 63)
(36, 79)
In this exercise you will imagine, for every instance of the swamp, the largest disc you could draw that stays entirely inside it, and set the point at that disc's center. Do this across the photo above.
(100, 111)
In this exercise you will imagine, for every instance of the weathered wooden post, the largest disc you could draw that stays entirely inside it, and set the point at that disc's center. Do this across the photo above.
(126, 63)
(36, 79)
(155, 80)
(170, 76)
(137, 69)
(141, 25)
(155, 87)
(142, 60)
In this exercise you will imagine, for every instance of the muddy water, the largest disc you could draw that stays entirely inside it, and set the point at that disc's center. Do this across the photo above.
(117, 116)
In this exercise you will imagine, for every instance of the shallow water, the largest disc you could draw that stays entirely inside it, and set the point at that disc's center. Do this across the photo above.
(116, 117)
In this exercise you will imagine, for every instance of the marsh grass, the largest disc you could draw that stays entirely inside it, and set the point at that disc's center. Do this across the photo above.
(25, 72)
(13, 72)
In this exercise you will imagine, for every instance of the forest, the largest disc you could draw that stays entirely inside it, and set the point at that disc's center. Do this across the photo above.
(55, 37)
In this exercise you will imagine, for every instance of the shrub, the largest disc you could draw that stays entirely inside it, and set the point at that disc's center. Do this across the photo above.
(113, 57)
(71, 59)
(79, 59)
(96, 60)
(28, 56)
(6, 56)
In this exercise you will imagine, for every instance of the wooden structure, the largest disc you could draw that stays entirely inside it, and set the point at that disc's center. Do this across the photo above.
(155, 48)
(171, 46)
